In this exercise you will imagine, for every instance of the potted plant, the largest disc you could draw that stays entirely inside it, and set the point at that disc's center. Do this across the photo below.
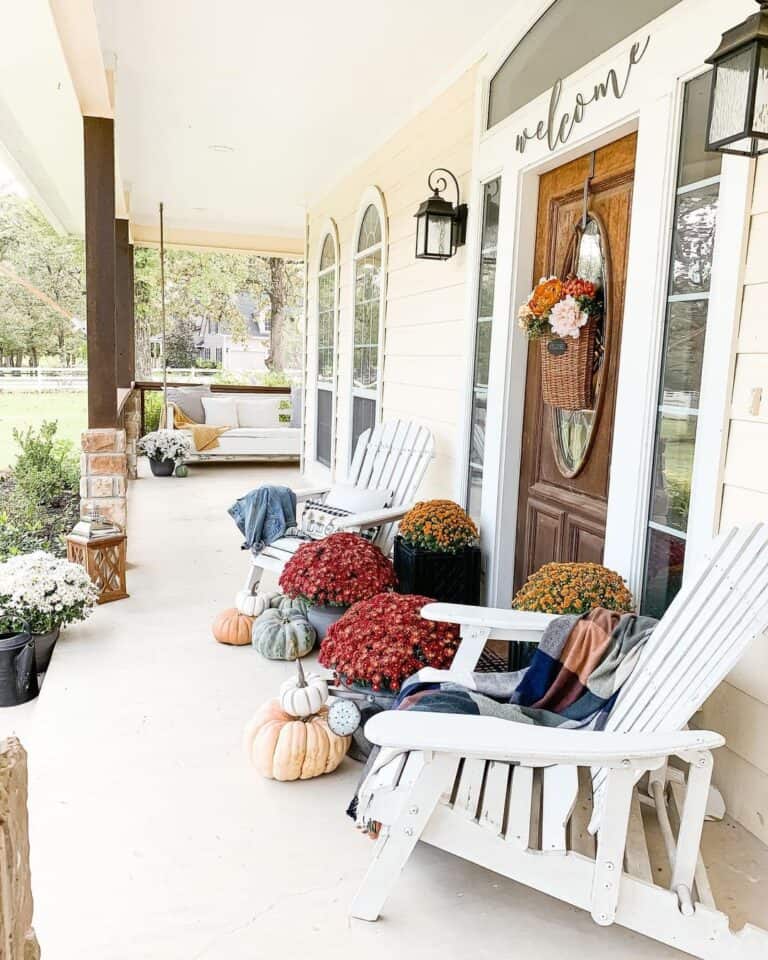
(563, 316)
(377, 645)
(436, 553)
(166, 450)
(574, 588)
(333, 573)
(41, 593)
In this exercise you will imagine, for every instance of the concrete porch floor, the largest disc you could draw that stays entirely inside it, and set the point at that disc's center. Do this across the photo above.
(152, 838)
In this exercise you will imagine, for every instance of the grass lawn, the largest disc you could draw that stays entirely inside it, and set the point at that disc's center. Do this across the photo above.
(22, 410)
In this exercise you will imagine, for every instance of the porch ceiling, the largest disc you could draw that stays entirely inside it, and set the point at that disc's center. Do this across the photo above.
(300, 91)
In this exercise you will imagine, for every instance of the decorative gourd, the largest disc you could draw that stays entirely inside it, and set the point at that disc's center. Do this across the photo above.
(290, 604)
(303, 695)
(254, 604)
(233, 627)
(282, 747)
(282, 636)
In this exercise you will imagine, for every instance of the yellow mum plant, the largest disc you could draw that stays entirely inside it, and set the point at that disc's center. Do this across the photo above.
(438, 525)
(573, 588)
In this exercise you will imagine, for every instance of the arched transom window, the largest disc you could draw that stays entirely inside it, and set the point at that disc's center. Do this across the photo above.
(369, 320)
(326, 350)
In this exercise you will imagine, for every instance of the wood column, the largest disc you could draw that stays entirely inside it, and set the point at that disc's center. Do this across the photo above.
(99, 142)
(124, 317)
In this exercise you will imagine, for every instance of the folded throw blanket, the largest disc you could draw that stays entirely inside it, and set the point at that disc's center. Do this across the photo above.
(264, 515)
(204, 437)
(574, 678)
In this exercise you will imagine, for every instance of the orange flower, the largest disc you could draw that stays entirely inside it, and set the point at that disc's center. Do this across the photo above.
(438, 525)
(546, 294)
(573, 588)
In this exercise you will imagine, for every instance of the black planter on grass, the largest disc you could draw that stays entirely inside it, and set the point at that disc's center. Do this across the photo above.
(447, 577)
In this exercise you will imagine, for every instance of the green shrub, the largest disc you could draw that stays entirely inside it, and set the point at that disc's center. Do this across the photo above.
(153, 406)
(39, 499)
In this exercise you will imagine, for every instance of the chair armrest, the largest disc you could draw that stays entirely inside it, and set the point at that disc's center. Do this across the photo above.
(491, 738)
(310, 493)
(371, 518)
(488, 617)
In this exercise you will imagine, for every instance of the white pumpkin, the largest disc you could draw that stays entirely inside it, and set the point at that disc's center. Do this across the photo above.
(254, 604)
(303, 695)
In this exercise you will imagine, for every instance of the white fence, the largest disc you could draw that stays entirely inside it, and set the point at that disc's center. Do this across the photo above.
(51, 379)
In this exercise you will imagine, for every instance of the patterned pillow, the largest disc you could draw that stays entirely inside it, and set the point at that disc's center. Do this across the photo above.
(317, 521)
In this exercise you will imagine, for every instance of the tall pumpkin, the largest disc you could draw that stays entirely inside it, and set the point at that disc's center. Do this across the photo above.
(282, 747)
(233, 627)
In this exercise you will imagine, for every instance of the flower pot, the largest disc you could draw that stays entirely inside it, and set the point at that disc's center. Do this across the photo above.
(44, 644)
(162, 468)
(567, 367)
(322, 617)
(18, 676)
(447, 577)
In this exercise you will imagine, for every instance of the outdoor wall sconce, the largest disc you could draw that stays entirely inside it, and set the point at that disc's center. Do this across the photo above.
(738, 105)
(441, 227)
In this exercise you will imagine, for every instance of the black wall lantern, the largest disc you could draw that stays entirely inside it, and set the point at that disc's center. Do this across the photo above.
(738, 106)
(441, 227)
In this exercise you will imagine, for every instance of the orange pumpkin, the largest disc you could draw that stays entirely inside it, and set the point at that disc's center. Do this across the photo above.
(282, 747)
(233, 627)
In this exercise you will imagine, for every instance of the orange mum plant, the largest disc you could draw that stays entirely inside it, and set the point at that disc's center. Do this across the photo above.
(440, 526)
(573, 588)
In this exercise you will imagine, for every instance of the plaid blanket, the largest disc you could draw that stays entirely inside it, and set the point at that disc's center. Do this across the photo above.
(574, 678)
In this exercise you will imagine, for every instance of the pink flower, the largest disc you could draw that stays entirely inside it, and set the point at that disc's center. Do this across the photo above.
(567, 318)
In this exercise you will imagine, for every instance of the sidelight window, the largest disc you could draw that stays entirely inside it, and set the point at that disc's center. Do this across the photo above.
(690, 270)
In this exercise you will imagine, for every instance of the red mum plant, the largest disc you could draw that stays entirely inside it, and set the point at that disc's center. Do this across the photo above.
(380, 642)
(337, 571)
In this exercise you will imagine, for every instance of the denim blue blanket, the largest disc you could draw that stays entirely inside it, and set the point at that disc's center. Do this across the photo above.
(264, 515)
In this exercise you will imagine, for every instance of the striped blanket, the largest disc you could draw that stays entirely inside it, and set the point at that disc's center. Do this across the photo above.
(574, 678)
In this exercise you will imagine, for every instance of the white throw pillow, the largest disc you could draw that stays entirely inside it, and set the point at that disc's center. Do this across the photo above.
(259, 412)
(345, 496)
(220, 411)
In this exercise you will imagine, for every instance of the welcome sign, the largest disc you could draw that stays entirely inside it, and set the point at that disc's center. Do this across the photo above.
(558, 127)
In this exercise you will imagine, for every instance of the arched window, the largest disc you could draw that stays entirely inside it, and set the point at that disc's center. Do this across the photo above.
(370, 297)
(598, 25)
(327, 286)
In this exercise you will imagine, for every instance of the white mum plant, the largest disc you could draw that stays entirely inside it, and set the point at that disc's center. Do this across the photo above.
(43, 592)
(166, 445)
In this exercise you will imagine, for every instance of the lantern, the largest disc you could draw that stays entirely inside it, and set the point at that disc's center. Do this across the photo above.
(99, 546)
(738, 106)
(441, 227)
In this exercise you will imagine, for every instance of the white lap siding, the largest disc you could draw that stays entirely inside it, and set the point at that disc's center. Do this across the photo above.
(423, 363)
(739, 709)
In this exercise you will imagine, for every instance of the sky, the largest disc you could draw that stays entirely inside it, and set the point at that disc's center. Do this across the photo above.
(8, 181)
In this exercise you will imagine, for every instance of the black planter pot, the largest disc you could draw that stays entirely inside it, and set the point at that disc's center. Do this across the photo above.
(44, 644)
(18, 674)
(162, 468)
(447, 577)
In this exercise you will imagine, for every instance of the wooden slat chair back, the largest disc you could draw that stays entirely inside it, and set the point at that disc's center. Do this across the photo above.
(392, 456)
(700, 638)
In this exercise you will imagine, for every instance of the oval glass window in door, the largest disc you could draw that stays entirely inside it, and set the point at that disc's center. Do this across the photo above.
(572, 429)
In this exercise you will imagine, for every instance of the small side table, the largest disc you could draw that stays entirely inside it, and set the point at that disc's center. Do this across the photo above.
(104, 561)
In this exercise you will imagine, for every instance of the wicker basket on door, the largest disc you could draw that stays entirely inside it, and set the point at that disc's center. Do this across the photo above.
(566, 374)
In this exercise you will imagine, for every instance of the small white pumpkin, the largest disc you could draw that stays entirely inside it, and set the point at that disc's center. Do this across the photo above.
(303, 695)
(254, 604)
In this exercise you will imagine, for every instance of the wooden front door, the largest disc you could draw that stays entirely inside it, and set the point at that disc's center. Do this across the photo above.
(564, 495)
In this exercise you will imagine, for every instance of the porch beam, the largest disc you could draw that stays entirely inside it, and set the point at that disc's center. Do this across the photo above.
(124, 305)
(99, 163)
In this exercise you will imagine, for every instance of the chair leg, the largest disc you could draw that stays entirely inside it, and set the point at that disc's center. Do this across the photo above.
(253, 579)
(394, 847)
(611, 841)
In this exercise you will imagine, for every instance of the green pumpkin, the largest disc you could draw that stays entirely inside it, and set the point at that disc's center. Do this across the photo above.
(182, 470)
(288, 605)
(282, 635)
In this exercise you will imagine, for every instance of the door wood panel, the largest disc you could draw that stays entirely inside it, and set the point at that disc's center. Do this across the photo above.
(562, 518)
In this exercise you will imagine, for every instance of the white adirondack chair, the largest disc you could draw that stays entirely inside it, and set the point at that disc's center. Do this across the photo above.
(392, 456)
(560, 810)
